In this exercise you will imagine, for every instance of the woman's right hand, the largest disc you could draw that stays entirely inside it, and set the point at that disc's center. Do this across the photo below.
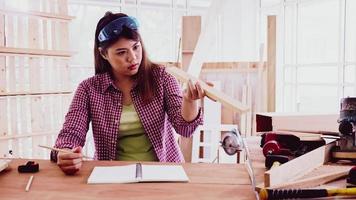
(70, 163)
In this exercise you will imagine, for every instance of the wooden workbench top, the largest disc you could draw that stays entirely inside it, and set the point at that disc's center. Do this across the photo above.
(207, 181)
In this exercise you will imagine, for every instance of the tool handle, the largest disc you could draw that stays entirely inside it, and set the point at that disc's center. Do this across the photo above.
(266, 194)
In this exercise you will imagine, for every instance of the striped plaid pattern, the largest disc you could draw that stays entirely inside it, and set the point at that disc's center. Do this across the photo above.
(98, 101)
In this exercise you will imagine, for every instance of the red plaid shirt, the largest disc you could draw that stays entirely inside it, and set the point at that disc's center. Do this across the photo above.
(97, 100)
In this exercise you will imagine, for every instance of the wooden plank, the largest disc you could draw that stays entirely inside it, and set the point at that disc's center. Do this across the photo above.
(205, 40)
(271, 63)
(63, 7)
(3, 127)
(34, 63)
(9, 32)
(54, 37)
(65, 79)
(25, 128)
(13, 124)
(44, 34)
(38, 93)
(233, 65)
(37, 118)
(210, 91)
(3, 78)
(191, 27)
(297, 167)
(39, 52)
(12, 73)
(334, 173)
(190, 32)
(297, 122)
(45, 15)
(249, 104)
(243, 119)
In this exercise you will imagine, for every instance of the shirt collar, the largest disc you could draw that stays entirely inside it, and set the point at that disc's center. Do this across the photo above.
(107, 81)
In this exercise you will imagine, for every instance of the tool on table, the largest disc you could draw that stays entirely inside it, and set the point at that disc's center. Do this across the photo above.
(282, 147)
(30, 167)
(29, 184)
(279, 144)
(346, 146)
(275, 160)
(233, 143)
(269, 194)
(351, 178)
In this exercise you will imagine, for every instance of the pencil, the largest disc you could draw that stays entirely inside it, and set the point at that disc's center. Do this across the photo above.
(29, 183)
(63, 151)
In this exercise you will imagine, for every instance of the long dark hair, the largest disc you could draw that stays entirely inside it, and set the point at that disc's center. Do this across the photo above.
(145, 79)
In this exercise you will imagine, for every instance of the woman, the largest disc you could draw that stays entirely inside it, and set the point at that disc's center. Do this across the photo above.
(133, 104)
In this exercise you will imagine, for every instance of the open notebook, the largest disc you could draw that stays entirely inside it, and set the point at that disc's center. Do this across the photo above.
(138, 173)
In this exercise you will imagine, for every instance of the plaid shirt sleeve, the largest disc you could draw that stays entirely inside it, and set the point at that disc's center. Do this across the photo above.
(173, 103)
(76, 122)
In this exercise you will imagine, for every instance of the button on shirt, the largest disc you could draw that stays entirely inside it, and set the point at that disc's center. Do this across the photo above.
(98, 101)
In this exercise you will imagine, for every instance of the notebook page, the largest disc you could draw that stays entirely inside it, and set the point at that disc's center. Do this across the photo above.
(164, 173)
(113, 174)
(4, 164)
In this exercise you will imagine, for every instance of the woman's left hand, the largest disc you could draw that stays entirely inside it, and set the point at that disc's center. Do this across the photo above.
(193, 91)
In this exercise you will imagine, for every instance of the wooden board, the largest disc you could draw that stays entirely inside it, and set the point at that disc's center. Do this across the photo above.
(297, 167)
(319, 176)
(302, 122)
(271, 63)
(212, 93)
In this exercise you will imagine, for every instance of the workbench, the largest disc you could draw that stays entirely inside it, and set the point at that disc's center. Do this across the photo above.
(206, 181)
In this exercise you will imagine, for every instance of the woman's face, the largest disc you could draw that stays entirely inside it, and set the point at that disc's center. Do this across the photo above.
(124, 57)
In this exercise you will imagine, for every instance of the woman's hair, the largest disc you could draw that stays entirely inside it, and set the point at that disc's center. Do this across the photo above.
(144, 76)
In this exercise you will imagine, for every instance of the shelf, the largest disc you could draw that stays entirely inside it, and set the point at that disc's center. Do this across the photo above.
(36, 52)
(38, 14)
(17, 136)
(39, 93)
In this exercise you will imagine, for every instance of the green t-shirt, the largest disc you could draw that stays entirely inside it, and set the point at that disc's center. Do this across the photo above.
(133, 143)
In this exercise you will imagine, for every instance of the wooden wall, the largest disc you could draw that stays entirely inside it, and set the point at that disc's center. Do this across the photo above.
(34, 75)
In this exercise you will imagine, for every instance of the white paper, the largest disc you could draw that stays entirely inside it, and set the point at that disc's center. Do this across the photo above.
(113, 174)
(163, 173)
(127, 174)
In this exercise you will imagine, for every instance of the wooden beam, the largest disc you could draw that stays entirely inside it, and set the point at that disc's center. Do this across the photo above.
(38, 52)
(271, 64)
(190, 34)
(25, 135)
(37, 14)
(212, 93)
(34, 93)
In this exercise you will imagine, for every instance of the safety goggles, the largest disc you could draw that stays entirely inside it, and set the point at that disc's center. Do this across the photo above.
(114, 28)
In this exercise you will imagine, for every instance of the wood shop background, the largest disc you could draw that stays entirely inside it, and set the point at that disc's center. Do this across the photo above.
(281, 65)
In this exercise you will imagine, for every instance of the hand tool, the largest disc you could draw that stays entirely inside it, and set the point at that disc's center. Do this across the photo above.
(233, 143)
(30, 167)
(351, 178)
(346, 146)
(275, 160)
(279, 144)
(274, 194)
